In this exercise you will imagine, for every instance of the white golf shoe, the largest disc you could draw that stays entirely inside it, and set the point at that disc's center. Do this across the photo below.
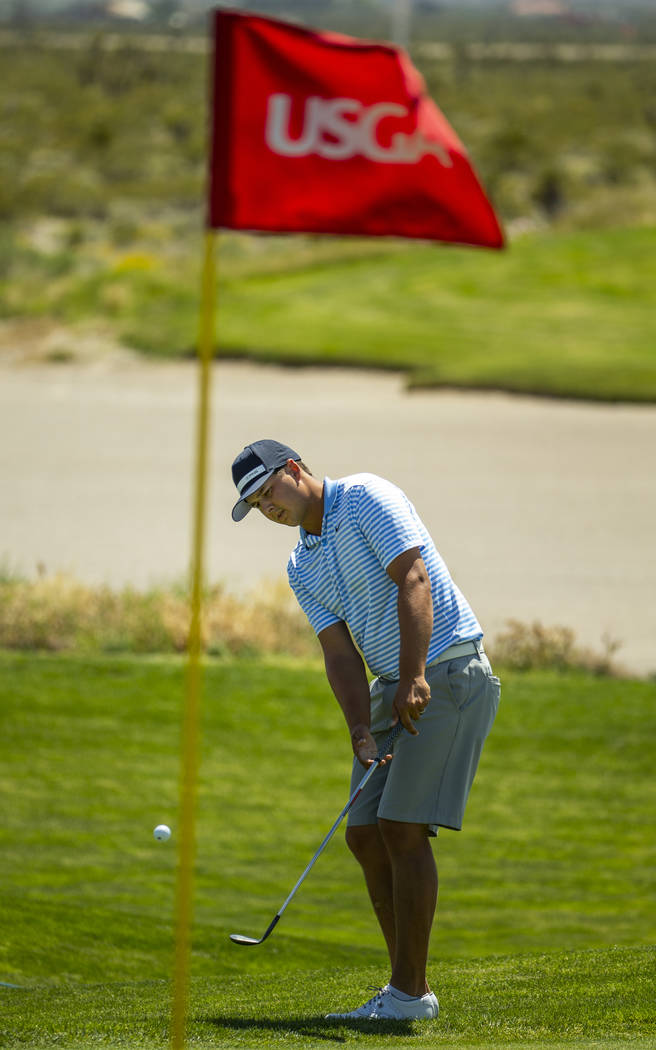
(384, 1006)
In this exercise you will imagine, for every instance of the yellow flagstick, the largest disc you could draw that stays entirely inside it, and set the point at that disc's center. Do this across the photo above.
(191, 718)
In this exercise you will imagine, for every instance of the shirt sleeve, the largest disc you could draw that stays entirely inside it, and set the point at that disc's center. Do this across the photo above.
(387, 520)
(319, 616)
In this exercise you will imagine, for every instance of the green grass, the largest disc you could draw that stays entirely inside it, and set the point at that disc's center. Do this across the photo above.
(583, 999)
(561, 314)
(567, 315)
(546, 922)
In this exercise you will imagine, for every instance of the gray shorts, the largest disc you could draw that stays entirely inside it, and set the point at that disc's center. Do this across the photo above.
(429, 778)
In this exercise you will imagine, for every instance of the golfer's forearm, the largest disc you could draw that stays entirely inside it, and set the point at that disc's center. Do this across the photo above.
(348, 681)
(415, 610)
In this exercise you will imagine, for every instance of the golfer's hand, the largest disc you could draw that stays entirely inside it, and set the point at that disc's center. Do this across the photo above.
(411, 701)
(364, 746)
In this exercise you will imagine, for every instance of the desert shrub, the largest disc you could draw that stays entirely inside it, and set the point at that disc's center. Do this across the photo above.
(122, 123)
(533, 646)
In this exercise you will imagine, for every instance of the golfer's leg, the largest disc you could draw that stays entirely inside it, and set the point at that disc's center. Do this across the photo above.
(367, 846)
(414, 876)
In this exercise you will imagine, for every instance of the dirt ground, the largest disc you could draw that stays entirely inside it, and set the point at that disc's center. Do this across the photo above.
(543, 510)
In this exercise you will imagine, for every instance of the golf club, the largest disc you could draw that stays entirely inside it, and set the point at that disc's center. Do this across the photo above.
(238, 938)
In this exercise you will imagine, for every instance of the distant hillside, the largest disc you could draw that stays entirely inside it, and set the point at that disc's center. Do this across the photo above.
(318, 10)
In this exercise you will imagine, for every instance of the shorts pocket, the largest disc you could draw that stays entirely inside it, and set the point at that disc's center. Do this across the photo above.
(459, 680)
(470, 679)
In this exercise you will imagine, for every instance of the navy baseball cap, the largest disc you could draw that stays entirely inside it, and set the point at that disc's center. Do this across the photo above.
(253, 466)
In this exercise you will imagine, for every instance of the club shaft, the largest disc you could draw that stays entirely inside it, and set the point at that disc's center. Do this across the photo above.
(384, 750)
(332, 831)
(367, 776)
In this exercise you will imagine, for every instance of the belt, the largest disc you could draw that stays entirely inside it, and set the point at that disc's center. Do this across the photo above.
(460, 649)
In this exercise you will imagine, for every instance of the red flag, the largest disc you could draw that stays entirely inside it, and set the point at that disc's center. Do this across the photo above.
(319, 133)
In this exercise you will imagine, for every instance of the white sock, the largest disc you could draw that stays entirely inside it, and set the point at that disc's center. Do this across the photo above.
(403, 996)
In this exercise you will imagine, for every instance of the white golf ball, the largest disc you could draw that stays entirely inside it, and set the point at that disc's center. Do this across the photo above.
(162, 832)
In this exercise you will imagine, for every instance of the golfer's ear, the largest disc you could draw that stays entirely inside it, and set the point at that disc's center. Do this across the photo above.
(293, 467)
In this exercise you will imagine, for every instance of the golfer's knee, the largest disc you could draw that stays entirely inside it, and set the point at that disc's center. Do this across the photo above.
(360, 839)
(402, 838)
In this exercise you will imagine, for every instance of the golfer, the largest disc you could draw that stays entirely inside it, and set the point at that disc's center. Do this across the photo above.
(371, 582)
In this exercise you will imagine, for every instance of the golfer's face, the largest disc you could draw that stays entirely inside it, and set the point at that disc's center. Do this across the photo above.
(279, 500)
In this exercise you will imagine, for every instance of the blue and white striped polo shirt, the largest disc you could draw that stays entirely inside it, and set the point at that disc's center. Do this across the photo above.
(340, 575)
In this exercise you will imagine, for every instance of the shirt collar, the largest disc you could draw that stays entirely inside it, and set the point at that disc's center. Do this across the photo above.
(329, 494)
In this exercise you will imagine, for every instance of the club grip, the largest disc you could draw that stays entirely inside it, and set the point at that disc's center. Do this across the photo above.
(387, 743)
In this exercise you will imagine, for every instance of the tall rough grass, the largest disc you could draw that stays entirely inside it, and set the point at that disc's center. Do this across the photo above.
(58, 613)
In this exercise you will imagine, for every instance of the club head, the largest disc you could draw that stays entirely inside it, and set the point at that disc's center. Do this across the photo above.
(238, 938)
